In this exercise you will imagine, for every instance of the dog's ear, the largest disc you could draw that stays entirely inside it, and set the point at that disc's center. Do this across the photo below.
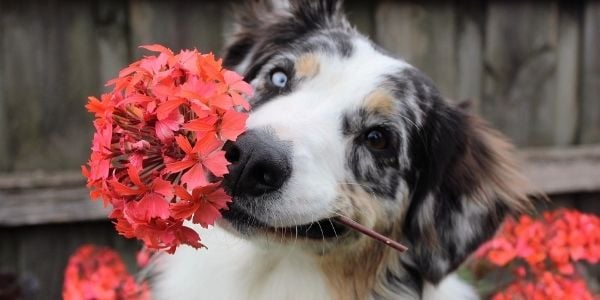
(266, 24)
(463, 183)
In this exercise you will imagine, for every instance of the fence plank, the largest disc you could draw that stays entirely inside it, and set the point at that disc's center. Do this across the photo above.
(423, 34)
(51, 67)
(178, 25)
(40, 179)
(5, 160)
(566, 102)
(47, 206)
(112, 38)
(17, 58)
(559, 171)
(520, 67)
(470, 51)
(8, 250)
(590, 93)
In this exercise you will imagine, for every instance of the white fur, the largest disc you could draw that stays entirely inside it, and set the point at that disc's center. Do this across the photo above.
(310, 118)
(234, 268)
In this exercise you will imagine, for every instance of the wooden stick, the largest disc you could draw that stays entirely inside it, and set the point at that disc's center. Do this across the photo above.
(371, 233)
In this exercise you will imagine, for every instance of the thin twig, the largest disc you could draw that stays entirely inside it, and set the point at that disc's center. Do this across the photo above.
(371, 233)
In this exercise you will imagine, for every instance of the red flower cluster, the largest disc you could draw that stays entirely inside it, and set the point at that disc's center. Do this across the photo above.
(157, 153)
(99, 273)
(541, 253)
(548, 286)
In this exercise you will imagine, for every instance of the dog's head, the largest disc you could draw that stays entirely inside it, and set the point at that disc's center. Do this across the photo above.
(338, 127)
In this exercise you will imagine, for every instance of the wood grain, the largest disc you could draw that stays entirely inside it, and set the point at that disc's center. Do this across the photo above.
(52, 205)
(563, 170)
(5, 160)
(112, 39)
(424, 34)
(470, 52)
(8, 250)
(178, 25)
(40, 179)
(590, 88)
(50, 70)
(520, 70)
(566, 102)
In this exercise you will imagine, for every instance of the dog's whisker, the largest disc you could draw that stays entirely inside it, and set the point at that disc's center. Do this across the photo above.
(333, 227)
(323, 238)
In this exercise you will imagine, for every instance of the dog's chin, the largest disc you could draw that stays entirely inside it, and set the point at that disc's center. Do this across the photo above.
(244, 223)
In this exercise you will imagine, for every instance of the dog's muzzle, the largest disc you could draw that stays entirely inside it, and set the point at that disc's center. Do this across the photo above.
(260, 164)
(260, 167)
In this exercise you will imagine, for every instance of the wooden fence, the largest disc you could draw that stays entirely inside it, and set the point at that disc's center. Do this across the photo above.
(530, 67)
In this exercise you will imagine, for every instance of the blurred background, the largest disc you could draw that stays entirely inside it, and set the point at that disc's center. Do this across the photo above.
(531, 68)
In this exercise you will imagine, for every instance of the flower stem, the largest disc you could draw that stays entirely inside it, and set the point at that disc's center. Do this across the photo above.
(370, 232)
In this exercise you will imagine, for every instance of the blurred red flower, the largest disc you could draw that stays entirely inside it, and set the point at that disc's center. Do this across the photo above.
(99, 273)
(159, 134)
(542, 252)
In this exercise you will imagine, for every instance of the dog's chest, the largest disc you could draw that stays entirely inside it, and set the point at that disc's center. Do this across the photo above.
(233, 268)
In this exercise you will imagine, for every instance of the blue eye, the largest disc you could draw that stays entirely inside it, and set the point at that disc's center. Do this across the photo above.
(279, 79)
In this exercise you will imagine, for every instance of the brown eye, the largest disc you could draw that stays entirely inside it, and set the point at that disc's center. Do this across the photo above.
(377, 139)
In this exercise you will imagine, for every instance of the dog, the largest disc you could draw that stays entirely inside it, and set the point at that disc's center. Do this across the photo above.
(340, 127)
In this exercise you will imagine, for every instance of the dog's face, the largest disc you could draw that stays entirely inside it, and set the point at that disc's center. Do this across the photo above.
(333, 114)
(340, 128)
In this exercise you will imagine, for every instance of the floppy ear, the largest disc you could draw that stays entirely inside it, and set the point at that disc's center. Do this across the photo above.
(265, 24)
(464, 182)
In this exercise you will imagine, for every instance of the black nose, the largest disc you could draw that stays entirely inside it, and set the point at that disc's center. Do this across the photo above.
(259, 164)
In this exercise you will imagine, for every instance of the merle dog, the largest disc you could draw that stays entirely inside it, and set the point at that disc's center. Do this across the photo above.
(339, 127)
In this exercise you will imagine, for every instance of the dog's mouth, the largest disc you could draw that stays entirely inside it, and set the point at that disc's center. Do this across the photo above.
(322, 229)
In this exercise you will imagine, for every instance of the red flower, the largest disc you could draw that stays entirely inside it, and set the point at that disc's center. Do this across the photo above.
(203, 157)
(160, 130)
(548, 286)
(238, 86)
(542, 253)
(99, 273)
(502, 252)
(101, 108)
(204, 204)
(165, 127)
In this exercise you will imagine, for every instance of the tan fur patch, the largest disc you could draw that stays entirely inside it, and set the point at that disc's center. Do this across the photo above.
(307, 66)
(352, 273)
(380, 101)
(357, 268)
(356, 272)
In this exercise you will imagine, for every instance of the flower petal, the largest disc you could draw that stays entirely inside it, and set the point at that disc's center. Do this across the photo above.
(205, 215)
(153, 205)
(194, 177)
(184, 143)
(216, 163)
